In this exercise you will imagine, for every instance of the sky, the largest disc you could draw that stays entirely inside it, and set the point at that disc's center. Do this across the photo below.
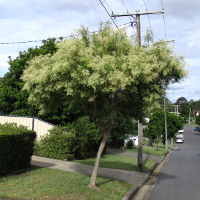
(31, 21)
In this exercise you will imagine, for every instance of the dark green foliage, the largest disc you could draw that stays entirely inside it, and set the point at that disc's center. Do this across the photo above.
(88, 137)
(156, 126)
(59, 146)
(16, 147)
(184, 107)
(198, 120)
(79, 139)
(62, 115)
(129, 144)
(14, 100)
(122, 128)
(168, 103)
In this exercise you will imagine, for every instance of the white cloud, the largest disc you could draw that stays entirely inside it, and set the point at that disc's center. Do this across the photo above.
(193, 38)
(78, 5)
(40, 19)
(184, 9)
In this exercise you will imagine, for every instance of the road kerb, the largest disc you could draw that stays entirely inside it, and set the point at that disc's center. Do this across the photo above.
(155, 171)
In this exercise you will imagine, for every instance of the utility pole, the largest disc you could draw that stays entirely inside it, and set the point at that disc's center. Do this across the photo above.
(176, 109)
(189, 115)
(140, 126)
(137, 18)
(166, 138)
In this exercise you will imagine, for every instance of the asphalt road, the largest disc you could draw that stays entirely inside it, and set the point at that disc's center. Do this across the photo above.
(180, 177)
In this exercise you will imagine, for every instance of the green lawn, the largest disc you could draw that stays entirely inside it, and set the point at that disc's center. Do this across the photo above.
(118, 162)
(43, 183)
(152, 150)
(191, 125)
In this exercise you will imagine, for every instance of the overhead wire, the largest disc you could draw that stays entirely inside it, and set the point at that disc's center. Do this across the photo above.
(35, 41)
(164, 20)
(125, 6)
(162, 5)
(131, 24)
(148, 15)
(29, 41)
(108, 5)
(108, 14)
(130, 17)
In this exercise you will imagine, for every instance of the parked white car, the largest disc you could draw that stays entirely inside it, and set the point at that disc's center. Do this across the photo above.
(179, 140)
(180, 136)
(181, 131)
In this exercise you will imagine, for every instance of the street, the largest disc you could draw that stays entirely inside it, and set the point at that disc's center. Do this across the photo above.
(180, 177)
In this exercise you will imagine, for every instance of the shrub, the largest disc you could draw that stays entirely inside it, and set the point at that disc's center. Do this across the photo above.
(59, 146)
(198, 120)
(79, 139)
(87, 137)
(130, 144)
(122, 128)
(16, 147)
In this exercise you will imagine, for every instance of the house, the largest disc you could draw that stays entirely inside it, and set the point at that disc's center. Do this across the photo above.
(131, 137)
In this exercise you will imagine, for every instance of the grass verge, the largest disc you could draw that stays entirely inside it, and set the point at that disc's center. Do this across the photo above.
(191, 125)
(118, 162)
(152, 150)
(43, 183)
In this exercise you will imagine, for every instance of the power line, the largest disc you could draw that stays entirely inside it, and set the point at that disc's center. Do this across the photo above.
(130, 17)
(164, 20)
(162, 4)
(34, 41)
(165, 26)
(108, 5)
(148, 15)
(125, 6)
(30, 41)
(108, 14)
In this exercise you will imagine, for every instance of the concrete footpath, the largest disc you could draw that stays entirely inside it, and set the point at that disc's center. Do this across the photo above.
(137, 178)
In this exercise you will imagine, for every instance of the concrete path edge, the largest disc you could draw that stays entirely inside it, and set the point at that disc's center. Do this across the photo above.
(133, 190)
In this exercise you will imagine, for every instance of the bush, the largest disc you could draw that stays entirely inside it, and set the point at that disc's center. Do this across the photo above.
(58, 146)
(79, 139)
(122, 128)
(197, 121)
(130, 144)
(87, 137)
(16, 147)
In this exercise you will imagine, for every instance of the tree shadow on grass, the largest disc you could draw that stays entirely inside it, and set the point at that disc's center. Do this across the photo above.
(21, 172)
(42, 164)
(118, 165)
(104, 182)
(2, 197)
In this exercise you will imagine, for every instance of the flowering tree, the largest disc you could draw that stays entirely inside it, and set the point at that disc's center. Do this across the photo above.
(105, 74)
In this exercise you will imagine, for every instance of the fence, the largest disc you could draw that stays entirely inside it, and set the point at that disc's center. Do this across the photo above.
(32, 123)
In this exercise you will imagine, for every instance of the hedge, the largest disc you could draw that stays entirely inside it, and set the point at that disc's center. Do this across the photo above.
(61, 146)
(16, 147)
(78, 140)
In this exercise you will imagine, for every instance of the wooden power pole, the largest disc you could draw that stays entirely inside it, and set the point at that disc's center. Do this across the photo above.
(140, 126)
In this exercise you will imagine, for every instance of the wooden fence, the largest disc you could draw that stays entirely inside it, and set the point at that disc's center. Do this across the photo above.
(32, 123)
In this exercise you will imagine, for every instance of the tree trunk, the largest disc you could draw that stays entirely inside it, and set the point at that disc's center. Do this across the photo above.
(140, 134)
(157, 142)
(92, 184)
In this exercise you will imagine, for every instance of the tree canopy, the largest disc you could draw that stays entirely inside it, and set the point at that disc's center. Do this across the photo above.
(156, 126)
(184, 107)
(12, 99)
(104, 74)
